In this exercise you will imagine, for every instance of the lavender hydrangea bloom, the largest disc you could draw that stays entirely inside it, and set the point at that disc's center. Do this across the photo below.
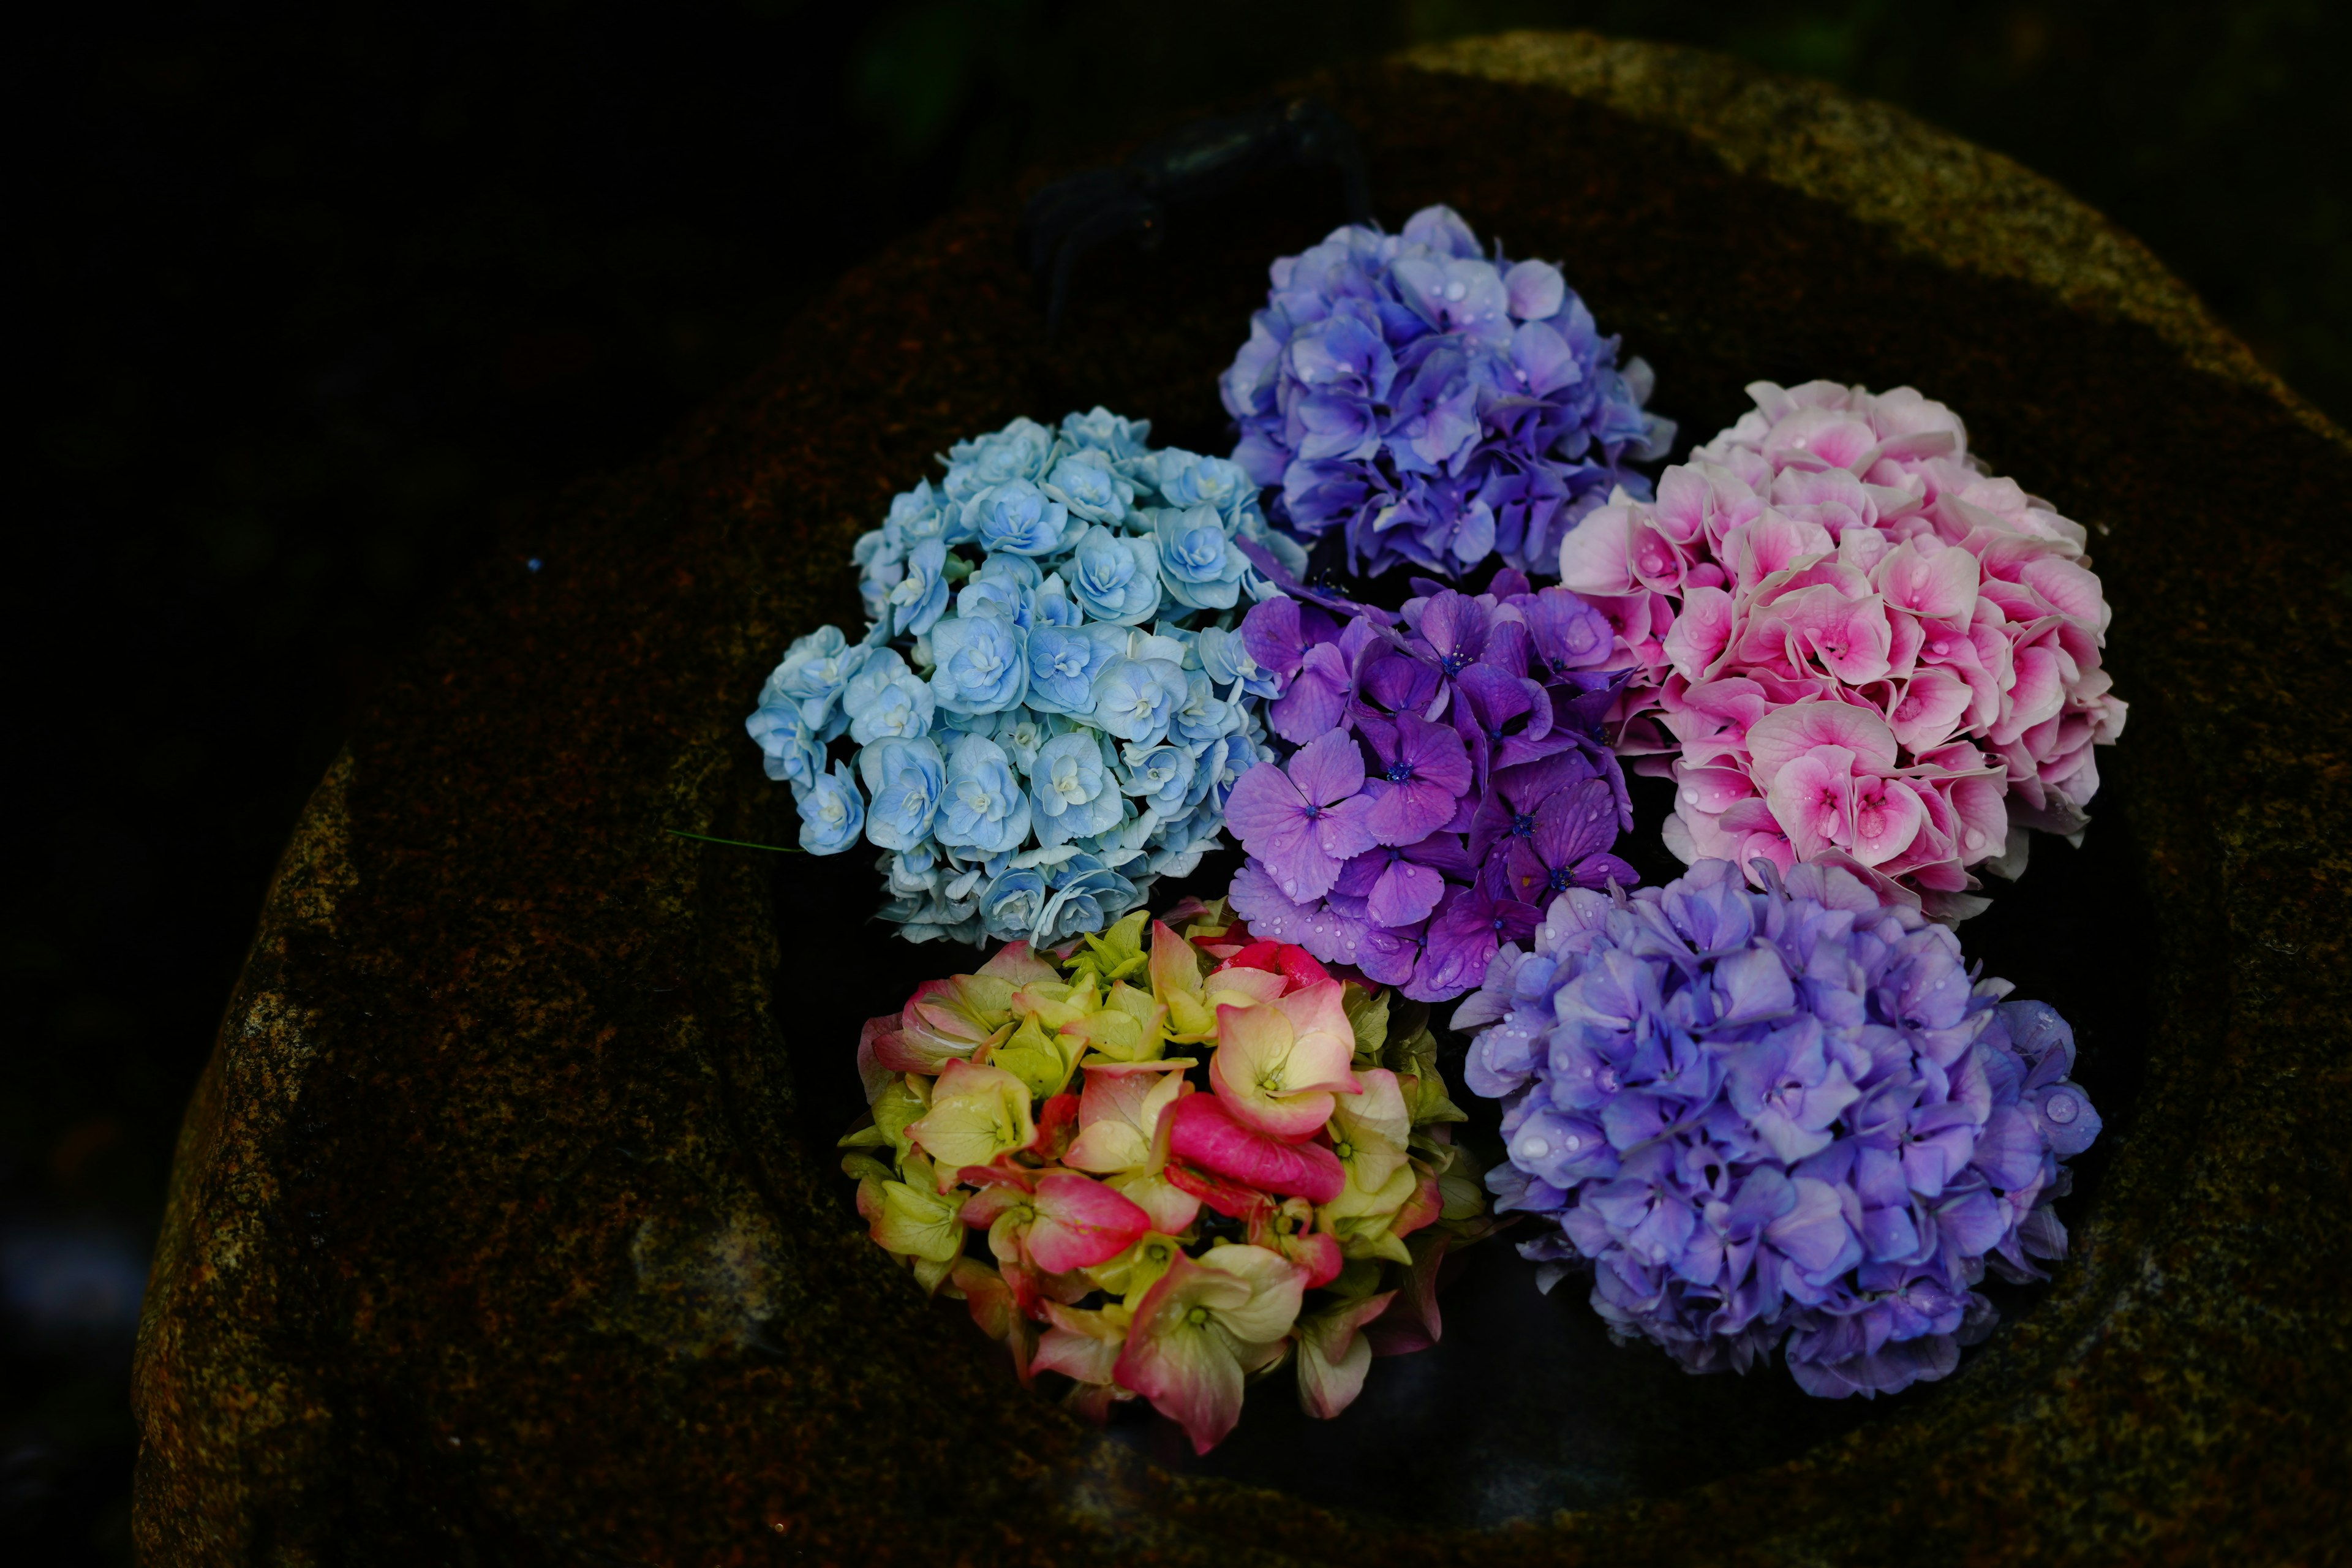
(1777, 1117)
(1053, 701)
(1433, 405)
(1452, 778)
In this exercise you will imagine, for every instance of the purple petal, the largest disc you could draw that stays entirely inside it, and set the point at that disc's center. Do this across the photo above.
(1321, 929)
(1275, 636)
(1405, 893)
(1576, 823)
(1326, 769)
(1344, 830)
(1264, 803)
(1317, 699)
(1434, 753)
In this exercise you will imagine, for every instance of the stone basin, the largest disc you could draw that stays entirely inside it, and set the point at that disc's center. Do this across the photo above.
(505, 1225)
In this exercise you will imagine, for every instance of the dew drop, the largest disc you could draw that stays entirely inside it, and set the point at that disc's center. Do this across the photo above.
(2061, 1109)
(1454, 291)
(1537, 1148)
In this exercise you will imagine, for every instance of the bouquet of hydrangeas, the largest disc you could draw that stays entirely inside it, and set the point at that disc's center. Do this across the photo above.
(1449, 778)
(1777, 1116)
(1854, 644)
(1161, 1172)
(1049, 705)
(1433, 405)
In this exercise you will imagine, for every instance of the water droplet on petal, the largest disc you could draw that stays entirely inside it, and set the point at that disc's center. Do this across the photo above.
(2061, 1108)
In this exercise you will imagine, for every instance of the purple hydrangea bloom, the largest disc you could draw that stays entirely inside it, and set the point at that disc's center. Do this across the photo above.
(1434, 405)
(1776, 1117)
(1451, 777)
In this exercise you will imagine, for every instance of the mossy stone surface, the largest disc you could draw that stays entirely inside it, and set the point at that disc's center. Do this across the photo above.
(506, 1227)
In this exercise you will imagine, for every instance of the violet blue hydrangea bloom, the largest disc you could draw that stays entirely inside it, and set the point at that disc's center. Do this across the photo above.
(1433, 405)
(1776, 1117)
(1053, 701)
(1451, 778)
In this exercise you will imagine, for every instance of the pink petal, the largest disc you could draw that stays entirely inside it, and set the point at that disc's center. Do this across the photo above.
(1789, 732)
(1324, 1041)
(1939, 583)
(1702, 631)
(1204, 1131)
(1930, 709)
(1593, 557)
(1080, 1223)
(1186, 1371)
(1334, 1356)
(1076, 1356)
(1250, 1042)
(1886, 818)
(1812, 800)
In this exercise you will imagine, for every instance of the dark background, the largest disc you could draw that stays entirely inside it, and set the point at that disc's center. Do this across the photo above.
(313, 310)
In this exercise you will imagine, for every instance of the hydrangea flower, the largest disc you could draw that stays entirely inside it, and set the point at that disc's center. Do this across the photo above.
(1782, 1118)
(1432, 406)
(1849, 642)
(1156, 1167)
(1052, 699)
(1449, 778)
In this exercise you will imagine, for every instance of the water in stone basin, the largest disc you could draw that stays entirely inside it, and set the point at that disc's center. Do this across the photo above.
(1526, 1407)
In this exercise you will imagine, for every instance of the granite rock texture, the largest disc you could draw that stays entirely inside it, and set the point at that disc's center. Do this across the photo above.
(505, 1227)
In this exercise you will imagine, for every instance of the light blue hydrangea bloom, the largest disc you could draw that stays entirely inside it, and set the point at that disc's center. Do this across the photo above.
(1197, 558)
(1014, 900)
(1051, 702)
(1086, 897)
(1226, 661)
(832, 811)
(1074, 788)
(1115, 576)
(1019, 451)
(1123, 441)
(906, 778)
(886, 699)
(1063, 664)
(982, 666)
(1160, 776)
(1003, 584)
(1135, 698)
(1050, 604)
(816, 670)
(916, 515)
(1022, 732)
(1201, 717)
(1092, 489)
(1189, 479)
(919, 596)
(789, 750)
(985, 806)
(1017, 517)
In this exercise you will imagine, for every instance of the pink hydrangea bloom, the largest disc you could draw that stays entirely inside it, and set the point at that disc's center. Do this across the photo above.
(1853, 644)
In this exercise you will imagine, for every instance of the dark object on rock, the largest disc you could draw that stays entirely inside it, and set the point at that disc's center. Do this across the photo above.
(1072, 215)
(505, 1225)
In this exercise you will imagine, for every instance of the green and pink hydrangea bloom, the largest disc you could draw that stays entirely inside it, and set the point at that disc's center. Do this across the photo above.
(1157, 1165)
